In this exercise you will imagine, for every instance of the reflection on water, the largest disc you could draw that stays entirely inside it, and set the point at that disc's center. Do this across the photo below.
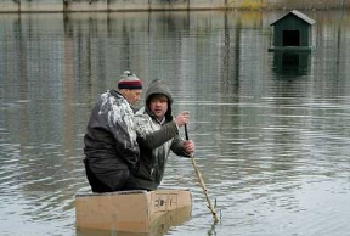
(271, 150)
(292, 64)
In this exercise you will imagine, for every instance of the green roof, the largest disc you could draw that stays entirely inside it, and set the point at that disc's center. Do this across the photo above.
(298, 14)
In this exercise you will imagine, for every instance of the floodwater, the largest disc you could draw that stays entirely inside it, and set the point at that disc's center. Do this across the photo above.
(272, 130)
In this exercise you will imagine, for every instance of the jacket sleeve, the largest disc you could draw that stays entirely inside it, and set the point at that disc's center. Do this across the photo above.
(126, 145)
(177, 146)
(157, 138)
(120, 120)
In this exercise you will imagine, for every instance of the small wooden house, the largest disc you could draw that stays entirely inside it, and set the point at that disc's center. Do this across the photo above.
(293, 31)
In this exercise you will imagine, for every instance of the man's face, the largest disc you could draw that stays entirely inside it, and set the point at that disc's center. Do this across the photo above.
(133, 96)
(159, 106)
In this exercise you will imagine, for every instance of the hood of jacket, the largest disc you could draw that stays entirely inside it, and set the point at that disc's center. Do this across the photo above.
(158, 87)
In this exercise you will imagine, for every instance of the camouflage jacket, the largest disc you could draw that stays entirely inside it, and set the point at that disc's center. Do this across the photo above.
(110, 141)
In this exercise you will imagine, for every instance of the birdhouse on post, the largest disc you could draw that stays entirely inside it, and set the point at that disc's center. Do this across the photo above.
(293, 31)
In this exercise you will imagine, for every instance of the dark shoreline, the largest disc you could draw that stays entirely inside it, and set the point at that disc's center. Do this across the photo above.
(167, 5)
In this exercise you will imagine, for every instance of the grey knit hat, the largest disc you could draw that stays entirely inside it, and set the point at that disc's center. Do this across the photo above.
(129, 81)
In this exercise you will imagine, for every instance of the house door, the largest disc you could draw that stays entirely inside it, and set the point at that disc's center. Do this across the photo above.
(291, 38)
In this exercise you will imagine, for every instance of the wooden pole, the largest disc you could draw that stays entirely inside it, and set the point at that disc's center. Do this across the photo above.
(204, 188)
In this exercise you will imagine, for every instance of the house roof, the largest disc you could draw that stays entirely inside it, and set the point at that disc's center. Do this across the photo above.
(298, 14)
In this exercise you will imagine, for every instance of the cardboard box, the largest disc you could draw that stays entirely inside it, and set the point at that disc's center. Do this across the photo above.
(132, 211)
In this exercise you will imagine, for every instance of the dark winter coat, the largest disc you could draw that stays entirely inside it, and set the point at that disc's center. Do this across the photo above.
(111, 150)
(155, 141)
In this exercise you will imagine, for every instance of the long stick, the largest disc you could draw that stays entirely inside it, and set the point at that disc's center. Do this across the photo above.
(201, 181)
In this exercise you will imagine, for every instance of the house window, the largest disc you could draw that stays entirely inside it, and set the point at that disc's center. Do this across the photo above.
(291, 38)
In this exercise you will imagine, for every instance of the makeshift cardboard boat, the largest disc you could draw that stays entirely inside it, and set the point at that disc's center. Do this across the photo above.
(132, 211)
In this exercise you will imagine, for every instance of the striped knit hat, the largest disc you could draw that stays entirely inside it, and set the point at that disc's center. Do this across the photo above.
(129, 81)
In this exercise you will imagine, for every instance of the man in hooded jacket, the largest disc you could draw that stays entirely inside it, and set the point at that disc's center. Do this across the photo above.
(155, 119)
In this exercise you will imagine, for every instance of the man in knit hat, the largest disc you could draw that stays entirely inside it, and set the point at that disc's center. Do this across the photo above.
(111, 150)
(130, 87)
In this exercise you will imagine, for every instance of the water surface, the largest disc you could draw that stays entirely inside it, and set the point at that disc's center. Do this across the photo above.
(272, 138)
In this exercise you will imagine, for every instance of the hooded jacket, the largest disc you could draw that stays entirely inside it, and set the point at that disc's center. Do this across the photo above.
(110, 140)
(155, 140)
